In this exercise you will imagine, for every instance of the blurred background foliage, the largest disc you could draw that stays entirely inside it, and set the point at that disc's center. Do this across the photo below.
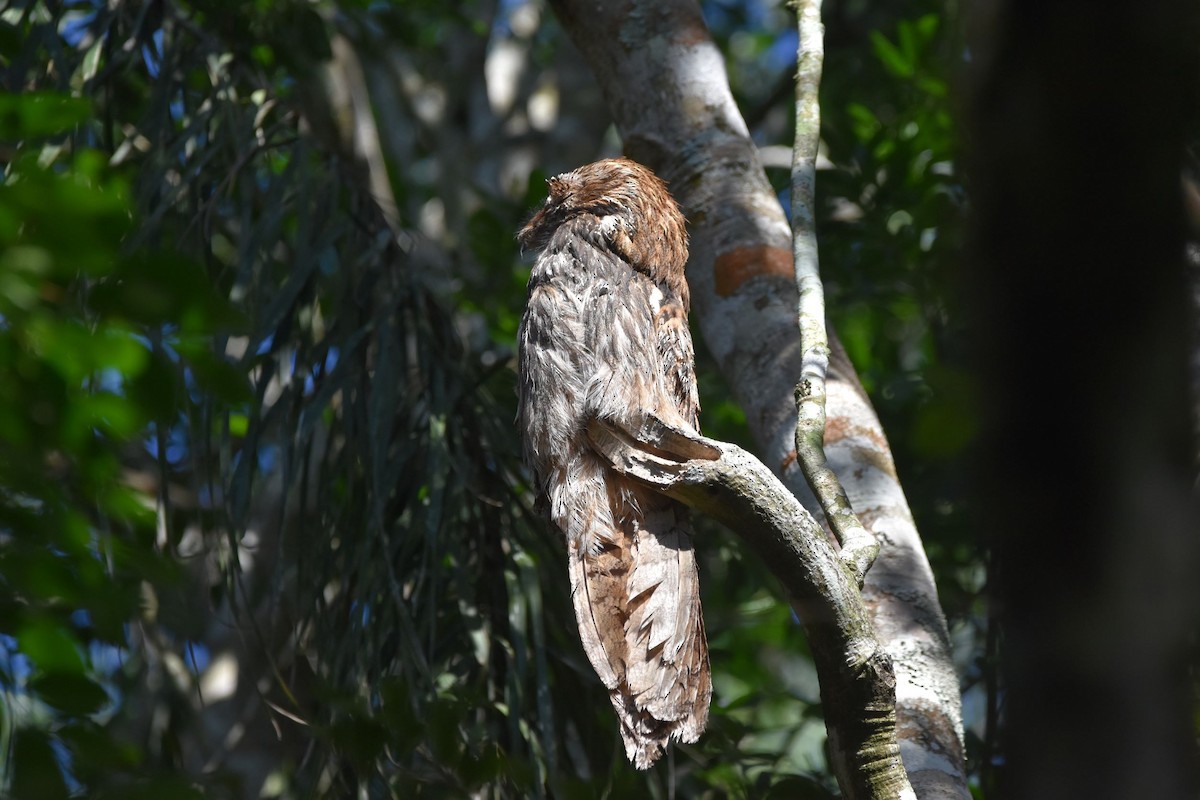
(263, 526)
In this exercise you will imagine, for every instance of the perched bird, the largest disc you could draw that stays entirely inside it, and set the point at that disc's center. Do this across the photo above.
(605, 336)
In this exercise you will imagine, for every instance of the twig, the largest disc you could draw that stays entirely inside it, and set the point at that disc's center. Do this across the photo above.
(859, 546)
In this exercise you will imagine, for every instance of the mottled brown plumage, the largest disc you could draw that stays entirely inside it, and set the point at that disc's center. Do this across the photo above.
(605, 336)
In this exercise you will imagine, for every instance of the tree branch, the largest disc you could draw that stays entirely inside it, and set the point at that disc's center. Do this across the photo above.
(859, 547)
(725, 482)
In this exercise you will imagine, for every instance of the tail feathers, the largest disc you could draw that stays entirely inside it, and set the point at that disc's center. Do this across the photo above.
(636, 594)
(600, 619)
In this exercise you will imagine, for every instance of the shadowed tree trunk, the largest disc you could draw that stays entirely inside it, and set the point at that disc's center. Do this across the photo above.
(1088, 471)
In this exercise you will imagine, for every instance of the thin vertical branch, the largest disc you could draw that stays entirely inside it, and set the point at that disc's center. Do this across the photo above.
(859, 547)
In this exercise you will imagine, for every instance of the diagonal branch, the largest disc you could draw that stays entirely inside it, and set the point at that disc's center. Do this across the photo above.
(859, 547)
(731, 485)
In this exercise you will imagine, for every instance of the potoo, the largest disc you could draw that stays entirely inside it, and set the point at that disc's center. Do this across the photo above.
(605, 336)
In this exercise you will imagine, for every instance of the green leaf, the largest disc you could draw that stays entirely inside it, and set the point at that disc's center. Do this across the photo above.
(36, 774)
(114, 414)
(907, 40)
(927, 27)
(70, 693)
(32, 115)
(50, 645)
(933, 86)
(126, 504)
(239, 425)
(157, 288)
(119, 349)
(890, 56)
(77, 351)
(863, 121)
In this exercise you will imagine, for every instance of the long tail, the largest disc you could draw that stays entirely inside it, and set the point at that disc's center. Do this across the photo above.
(637, 601)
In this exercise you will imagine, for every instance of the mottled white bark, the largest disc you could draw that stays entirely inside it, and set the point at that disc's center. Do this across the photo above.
(858, 546)
(665, 83)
